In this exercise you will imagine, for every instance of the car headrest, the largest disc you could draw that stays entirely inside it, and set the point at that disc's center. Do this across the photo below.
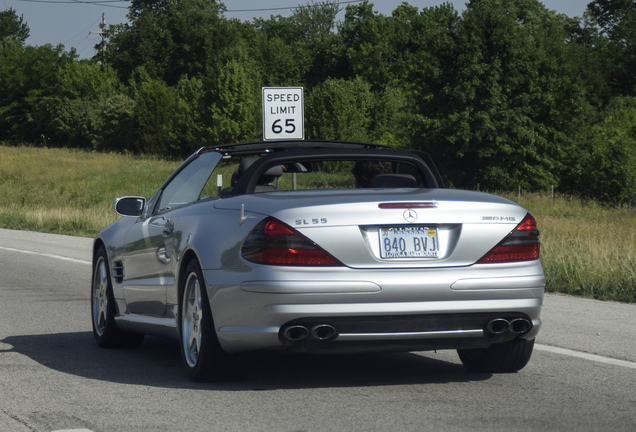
(394, 181)
(269, 176)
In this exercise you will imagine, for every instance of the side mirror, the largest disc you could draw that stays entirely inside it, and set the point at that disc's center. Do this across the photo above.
(129, 206)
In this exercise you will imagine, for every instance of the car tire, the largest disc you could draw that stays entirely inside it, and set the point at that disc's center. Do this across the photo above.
(103, 308)
(504, 357)
(201, 352)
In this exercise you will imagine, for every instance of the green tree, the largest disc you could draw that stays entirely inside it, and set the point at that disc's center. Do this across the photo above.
(170, 38)
(407, 57)
(315, 24)
(13, 26)
(28, 76)
(191, 122)
(282, 59)
(69, 116)
(154, 105)
(389, 118)
(588, 53)
(604, 164)
(235, 102)
(617, 22)
(339, 110)
(371, 45)
(65, 122)
(507, 105)
(301, 49)
(86, 79)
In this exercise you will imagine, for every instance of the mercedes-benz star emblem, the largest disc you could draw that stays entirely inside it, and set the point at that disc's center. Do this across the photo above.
(410, 215)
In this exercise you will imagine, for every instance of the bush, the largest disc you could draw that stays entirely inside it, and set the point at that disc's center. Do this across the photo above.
(116, 127)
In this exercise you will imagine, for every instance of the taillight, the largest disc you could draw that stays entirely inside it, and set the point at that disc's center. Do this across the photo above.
(522, 244)
(276, 243)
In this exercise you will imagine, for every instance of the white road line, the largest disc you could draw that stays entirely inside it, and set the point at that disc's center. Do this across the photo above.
(73, 430)
(586, 356)
(63, 258)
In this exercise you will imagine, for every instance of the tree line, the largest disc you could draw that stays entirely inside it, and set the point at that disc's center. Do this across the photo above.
(505, 94)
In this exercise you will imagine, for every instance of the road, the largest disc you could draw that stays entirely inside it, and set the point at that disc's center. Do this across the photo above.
(53, 377)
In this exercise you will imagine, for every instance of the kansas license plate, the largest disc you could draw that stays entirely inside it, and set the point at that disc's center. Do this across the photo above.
(409, 242)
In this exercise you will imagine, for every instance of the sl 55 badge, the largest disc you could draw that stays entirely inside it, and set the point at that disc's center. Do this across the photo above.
(314, 221)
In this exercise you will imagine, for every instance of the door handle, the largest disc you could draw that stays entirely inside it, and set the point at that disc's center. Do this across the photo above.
(162, 222)
(168, 228)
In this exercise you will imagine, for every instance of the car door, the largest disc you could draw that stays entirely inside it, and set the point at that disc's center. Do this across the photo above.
(149, 264)
(150, 256)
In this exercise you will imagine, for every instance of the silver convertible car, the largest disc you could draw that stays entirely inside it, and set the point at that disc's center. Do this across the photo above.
(318, 247)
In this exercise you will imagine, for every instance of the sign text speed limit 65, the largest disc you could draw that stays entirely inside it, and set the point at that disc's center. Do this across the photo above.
(283, 114)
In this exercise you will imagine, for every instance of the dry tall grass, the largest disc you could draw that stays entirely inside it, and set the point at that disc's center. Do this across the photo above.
(70, 192)
(586, 249)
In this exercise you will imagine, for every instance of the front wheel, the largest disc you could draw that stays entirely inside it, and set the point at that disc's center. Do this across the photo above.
(201, 352)
(105, 329)
(498, 358)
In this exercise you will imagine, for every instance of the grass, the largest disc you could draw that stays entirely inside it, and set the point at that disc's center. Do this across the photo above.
(70, 192)
(587, 249)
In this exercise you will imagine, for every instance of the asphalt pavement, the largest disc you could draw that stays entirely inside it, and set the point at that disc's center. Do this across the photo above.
(54, 377)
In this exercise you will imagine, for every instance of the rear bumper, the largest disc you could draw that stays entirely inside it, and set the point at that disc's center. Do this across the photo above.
(383, 326)
(409, 310)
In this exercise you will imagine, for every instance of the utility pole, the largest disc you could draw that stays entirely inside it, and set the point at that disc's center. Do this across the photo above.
(102, 33)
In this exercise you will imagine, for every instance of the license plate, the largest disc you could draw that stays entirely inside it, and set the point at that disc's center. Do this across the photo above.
(409, 242)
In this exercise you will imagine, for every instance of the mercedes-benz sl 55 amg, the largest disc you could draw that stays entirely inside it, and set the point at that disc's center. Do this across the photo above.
(318, 247)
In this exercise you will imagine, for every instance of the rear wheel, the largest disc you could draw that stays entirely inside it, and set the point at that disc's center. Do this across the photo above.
(103, 308)
(498, 358)
(201, 352)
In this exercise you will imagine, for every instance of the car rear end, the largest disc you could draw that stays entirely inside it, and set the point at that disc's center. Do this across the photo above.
(380, 269)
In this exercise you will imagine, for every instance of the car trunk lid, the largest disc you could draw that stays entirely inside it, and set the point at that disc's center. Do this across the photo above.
(397, 229)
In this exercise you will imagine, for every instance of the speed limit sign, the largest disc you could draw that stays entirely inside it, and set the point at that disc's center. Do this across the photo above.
(283, 113)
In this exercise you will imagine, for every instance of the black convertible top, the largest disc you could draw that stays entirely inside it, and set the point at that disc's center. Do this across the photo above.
(277, 153)
(273, 153)
(264, 147)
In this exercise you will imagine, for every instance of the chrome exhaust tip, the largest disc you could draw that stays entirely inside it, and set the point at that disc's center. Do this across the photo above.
(295, 333)
(520, 325)
(497, 326)
(324, 332)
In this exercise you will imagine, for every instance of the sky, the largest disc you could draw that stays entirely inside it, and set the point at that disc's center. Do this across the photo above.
(69, 22)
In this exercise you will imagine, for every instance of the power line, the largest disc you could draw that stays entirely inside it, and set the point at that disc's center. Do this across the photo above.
(85, 46)
(96, 2)
(103, 3)
(106, 4)
(81, 33)
(286, 8)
